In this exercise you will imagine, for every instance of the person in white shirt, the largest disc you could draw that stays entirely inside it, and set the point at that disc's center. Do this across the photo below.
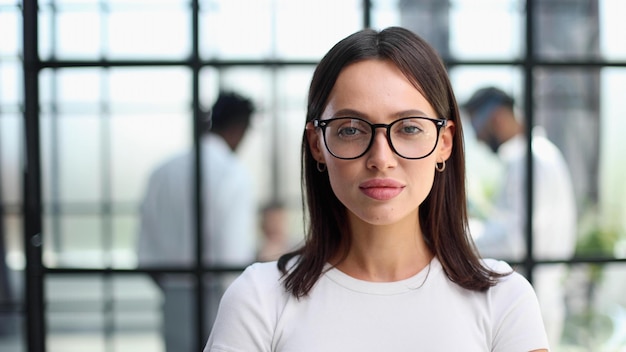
(387, 263)
(166, 234)
(501, 235)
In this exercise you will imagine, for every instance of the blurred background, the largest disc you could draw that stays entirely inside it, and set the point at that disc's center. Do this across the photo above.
(96, 94)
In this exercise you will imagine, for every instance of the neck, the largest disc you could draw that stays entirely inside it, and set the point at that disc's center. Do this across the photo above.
(385, 253)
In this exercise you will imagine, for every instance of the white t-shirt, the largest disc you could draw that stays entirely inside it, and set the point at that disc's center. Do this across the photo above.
(426, 312)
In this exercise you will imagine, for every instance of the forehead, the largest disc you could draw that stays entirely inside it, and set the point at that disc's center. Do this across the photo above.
(376, 87)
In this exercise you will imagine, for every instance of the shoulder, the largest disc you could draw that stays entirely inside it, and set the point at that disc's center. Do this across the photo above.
(249, 310)
(511, 281)
(512, 292)
(514, 311)
(257, 278)
(498, 266)
(257, 290)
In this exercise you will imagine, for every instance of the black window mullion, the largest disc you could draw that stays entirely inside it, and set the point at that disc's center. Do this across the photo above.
(367, 13)
(34, 283)
(195, 63)
(529, 66)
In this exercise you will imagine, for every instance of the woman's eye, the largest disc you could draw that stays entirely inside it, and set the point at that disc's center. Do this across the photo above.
(411, 129)
(348, 131)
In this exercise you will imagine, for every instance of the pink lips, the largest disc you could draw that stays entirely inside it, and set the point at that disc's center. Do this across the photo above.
(381, 189)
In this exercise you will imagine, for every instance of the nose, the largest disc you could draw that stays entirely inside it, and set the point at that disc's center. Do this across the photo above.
(380, 155)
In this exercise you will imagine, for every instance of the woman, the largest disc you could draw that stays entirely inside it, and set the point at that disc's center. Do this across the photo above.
(387, 264)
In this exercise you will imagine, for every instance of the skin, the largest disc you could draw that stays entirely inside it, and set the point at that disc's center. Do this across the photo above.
(502, 126)
(387, 243)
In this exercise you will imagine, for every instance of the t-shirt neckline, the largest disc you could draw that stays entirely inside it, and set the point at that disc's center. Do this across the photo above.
(413, 283)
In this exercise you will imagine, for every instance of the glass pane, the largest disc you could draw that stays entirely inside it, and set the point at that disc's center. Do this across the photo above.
(215, 286)
(150, 120)
(293, 84)
(78, 166)
(611, 185)
(157, 89)
(11, 133)
(274, 29)
(75, 240)
(165, 31)
(124, 236)
(499, 24)
(611, 22)
(11, 283)
(79, 30)
(568, 29)
(580, 29)
(103, 313)
(453, 27)
(583, 306)
(69, 32)
(179, 312)
(10, 84)
(428, 18)
(11, 27)
(75, 89)
(580, 112)
(78, 34)
(307, 30)
(563, 117)
(132, 158)
(228, 32)
(135, 318)
(45, 32)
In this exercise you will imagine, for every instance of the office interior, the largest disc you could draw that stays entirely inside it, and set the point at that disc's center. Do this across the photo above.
(95, 94)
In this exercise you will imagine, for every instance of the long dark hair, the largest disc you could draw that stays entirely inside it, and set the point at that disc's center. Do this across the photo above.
(443, 214)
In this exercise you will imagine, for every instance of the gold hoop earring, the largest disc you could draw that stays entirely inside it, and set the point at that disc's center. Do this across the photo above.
(442, 167)
(321, 167)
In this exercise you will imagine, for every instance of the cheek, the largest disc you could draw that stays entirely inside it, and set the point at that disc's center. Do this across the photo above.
(422, 177)
(342, 176)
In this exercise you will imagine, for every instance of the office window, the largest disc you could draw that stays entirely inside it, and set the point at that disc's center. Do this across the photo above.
(114, 29)
(125, 85)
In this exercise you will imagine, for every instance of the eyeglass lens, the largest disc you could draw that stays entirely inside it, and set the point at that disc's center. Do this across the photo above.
(411, 137)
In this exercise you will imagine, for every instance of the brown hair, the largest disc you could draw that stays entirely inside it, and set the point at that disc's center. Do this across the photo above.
(443, 214)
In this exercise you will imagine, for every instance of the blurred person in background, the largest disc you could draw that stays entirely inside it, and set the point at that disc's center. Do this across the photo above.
(167, 236)
(274, 232)
(493, 116)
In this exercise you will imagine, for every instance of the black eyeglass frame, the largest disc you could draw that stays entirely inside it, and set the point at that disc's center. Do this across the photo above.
(322, 124)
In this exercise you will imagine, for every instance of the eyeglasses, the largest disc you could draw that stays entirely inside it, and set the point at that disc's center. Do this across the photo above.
(409, 137)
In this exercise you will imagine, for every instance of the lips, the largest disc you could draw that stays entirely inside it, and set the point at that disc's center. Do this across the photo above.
(381, 189)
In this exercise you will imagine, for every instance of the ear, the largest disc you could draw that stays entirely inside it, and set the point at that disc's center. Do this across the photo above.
(445, 144)
(315, 141)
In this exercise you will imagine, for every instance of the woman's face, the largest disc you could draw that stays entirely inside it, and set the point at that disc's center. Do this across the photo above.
(379, 188)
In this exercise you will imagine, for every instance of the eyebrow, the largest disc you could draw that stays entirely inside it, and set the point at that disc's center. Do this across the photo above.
(400, 114)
